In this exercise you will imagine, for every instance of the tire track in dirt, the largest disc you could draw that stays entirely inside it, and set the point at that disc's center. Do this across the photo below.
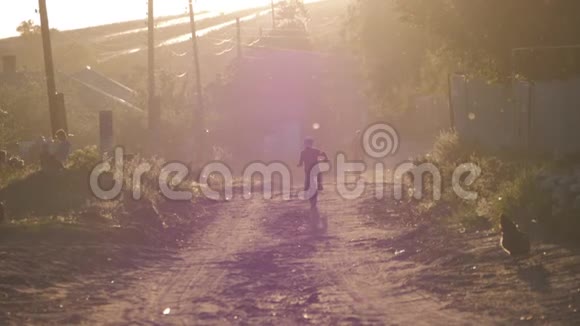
(188, 288)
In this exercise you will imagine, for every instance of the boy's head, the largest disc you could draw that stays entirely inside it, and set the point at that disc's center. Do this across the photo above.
(308, 142)
(61, 135)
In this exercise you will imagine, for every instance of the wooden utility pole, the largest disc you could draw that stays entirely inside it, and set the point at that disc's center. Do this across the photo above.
(198, 121)
(239, 37)
(151, 49)
(273, 14)
(153, 103)
(48, 64)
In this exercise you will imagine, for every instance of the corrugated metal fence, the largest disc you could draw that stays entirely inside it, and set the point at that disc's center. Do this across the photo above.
(541, 117)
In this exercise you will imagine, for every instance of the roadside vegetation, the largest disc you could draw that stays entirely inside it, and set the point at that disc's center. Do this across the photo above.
(34, 196)
(435, 38)
(540, 194)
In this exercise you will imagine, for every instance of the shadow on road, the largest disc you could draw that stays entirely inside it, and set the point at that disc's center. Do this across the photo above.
(279, 275)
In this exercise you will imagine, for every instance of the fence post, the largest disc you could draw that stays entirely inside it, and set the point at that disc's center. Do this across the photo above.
(106, 132)
(530, 116)
(450, 96)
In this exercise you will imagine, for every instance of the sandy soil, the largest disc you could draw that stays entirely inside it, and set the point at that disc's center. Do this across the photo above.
(468, 270)
(271, 262)
(259, 262)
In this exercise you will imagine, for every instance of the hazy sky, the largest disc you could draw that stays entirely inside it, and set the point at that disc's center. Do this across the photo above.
(71, 14)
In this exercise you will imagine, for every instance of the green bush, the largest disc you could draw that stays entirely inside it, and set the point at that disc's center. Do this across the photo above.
(84, 159)
(9, 175)
(505, 186)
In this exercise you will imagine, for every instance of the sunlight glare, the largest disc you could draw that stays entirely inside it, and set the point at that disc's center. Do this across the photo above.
(93, 13)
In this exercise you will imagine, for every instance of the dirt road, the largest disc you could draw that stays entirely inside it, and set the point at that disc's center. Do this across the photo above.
(259, 262)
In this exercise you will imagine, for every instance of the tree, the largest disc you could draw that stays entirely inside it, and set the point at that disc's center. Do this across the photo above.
(292, 14)
(408, 46)
(391, 51)
(481, 34)
(28, 27)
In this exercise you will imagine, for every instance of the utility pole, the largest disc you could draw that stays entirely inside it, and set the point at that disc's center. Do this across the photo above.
(198, 121)
(48, 64)
(273, 14)
(239, 37)
(153, 102)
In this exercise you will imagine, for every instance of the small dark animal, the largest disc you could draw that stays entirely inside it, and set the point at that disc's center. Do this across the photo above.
(513, 241)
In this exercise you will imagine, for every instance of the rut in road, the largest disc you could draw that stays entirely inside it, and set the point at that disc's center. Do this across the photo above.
(260, 263)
